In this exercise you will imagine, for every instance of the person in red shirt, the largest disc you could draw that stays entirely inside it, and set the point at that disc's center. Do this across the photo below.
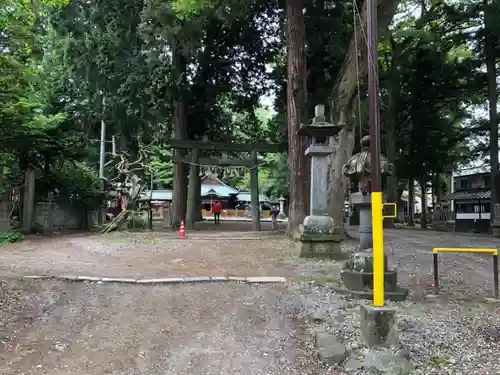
(216, 209)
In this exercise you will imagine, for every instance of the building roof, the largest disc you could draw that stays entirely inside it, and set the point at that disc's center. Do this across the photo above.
(218, 190)
(211, 185)
(246, 196)
(157, 195)
(472, 170)
(470, 195)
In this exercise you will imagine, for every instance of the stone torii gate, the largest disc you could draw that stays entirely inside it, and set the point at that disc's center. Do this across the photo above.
(194, 160)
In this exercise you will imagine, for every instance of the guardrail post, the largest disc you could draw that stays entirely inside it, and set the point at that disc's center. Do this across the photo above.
(495, 274)
(436, 273)
(494, 252)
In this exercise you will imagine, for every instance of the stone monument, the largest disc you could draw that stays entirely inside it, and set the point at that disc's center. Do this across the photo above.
(357, 274)
(167, 216)
(318, 233)
(281, 214)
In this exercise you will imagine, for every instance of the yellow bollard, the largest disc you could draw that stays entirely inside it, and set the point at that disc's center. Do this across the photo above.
(378, 249)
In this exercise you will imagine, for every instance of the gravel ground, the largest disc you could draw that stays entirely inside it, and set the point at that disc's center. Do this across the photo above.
(457, 333)
(92, 328)
(21, 303)
(442, 337)
(96, 329)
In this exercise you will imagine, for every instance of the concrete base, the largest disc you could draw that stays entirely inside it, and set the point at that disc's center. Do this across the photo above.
(398, 295)
(322, 250)
(378, 326)
(362, 261)
(319, 239)
(357, 277)
(361, 281)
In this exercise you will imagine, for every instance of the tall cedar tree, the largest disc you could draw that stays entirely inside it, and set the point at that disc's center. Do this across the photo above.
(296, 110)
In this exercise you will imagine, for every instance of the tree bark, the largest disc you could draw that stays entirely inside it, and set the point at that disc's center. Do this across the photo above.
(296, 111)
(180, 131)
(439, 188)
(491, 72)
(343, 94)
(338, 185)
(436, 187)
(28, 200)
(411, 202)
(401, 203)
(198, 216)
(423, 199)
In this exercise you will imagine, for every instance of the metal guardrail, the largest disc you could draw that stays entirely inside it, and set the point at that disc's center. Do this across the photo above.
(493, 252)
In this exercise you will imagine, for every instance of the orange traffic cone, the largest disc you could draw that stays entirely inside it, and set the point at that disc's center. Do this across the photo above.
(181, 230)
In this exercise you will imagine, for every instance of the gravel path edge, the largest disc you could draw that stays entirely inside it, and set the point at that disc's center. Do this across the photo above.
(165, 280)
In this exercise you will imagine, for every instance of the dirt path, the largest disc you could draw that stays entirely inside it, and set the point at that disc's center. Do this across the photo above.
(150, 255)
(96, 329)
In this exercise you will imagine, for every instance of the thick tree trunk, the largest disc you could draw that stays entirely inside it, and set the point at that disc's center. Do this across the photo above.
(179, 191)
(296, 111)
(343, 95)
(423, 199)
(435, 190)
(401, 204)
(439, 188)
(337, 186)
(198, 216)
(491, 72)
(411, 202)
(28, 200)
(343, 144)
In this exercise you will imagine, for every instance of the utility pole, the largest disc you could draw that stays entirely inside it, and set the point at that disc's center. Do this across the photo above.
(376, 186)
(491, 72)
(102, 154)
(113, 144)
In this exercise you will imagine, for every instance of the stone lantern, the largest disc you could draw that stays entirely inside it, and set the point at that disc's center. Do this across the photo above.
(318, 233)
(281, 201)
(358, 168)
(357, 274)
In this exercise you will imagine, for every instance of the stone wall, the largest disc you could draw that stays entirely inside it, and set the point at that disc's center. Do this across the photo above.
(5, 210)
(51, 217)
